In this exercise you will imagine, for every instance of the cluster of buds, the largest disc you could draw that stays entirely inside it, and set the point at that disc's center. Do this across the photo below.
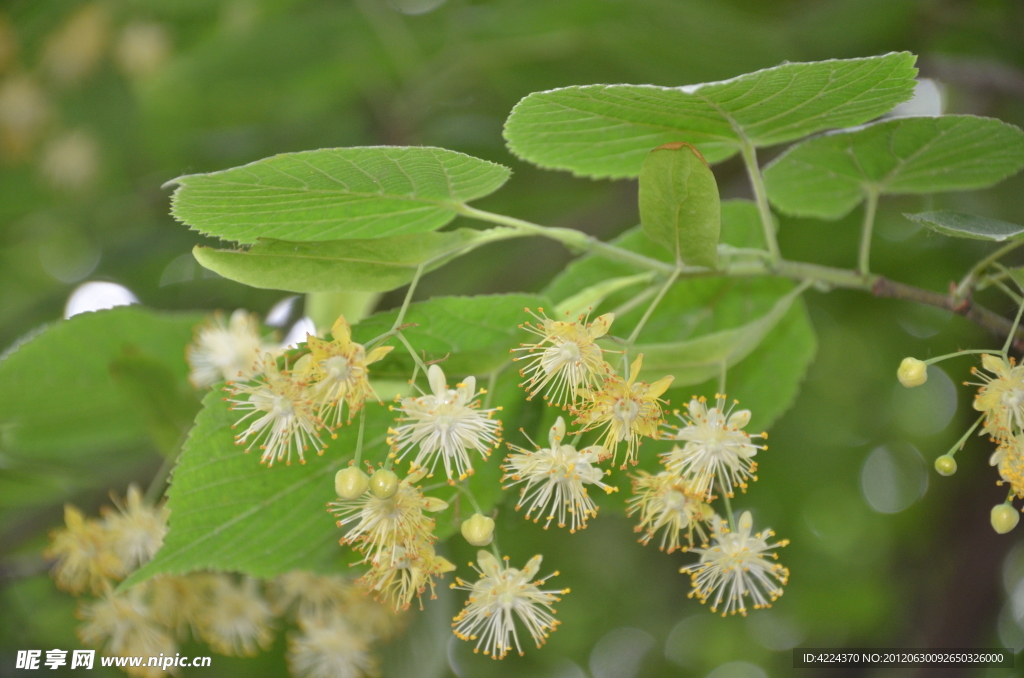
(387, 522)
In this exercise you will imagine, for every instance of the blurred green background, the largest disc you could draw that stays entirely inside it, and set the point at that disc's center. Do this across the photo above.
(102, 102)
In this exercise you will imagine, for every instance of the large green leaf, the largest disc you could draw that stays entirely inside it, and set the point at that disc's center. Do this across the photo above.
(679, 204)
(706, 310)
(475, 333)
(367, 265)
(166, 406)
(59, 399)
(828, 176)
(330, 194)
(971, 226)
(607, 130)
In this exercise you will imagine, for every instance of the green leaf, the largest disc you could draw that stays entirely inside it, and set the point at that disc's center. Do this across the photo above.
(366, 265)
(961, 225)
(330, 194)
(828, 176)
(60, 401)
(591, 297)
(475, 333)
(694, 361)
(166, 406)
(679, 205)
(607, 130)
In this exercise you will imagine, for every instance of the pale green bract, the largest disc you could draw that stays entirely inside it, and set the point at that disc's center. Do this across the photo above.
(694, 361)
(589, 298)
(330, 194)
(606, 131)
(828, 176)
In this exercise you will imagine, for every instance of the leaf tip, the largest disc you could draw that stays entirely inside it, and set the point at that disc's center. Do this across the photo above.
(679, 145)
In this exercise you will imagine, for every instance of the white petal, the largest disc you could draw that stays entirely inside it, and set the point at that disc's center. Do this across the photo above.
(488, 563)
(557, 433)
(532, 567)
(435, 376)
(739, 419)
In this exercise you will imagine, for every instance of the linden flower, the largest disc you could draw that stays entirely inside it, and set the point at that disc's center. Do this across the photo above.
(446, 424)
(220, 353)
(283, 418)
(178, 602)
(555, 477)
(405, 572)
(1009, 461)
(628, 410)
(330, 649)
(378, 525)
(339, 369)
(319, 599)
(236, 622)
(1001, 397)
(716, 447)
(668, 502)
(122, 625)
(310, 596)
(500, 592)
(83, 554)
(735, 566)
(136, 530)
(565, 358)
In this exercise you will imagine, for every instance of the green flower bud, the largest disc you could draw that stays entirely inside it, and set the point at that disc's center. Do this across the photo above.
(912, 372)
(1004, 518)
(478, 530)
(945, 465)
(350, 483)
(384, 484)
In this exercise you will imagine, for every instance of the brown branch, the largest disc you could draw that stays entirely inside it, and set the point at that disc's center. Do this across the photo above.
(885, 288)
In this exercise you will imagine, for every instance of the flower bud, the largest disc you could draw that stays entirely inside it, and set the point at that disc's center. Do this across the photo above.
(945, 465)
(478, 530)
(912, 372)
(384, 484)
(350, 483)
(1004, 518)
